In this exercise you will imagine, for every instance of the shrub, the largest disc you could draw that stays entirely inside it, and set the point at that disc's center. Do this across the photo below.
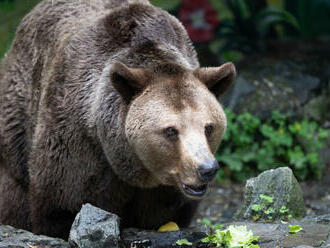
(252, 145)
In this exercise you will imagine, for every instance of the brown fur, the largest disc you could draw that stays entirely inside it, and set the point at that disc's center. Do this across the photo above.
(85, 94)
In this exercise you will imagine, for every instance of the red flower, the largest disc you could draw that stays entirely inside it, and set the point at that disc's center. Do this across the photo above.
(199, 18)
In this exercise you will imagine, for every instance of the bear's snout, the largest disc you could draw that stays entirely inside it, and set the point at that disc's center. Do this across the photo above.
(207, 171)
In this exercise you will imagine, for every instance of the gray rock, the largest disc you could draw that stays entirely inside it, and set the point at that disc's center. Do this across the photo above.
(240, 90)
(94, 228)
(272, 84)
(282, 187)
(322, 219)
(286, 79)
(16, 238)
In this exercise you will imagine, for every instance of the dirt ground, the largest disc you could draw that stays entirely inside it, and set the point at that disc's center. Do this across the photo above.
(225, 199)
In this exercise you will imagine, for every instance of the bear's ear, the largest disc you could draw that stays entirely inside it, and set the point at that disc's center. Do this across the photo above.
(217, 79)
(128, 81)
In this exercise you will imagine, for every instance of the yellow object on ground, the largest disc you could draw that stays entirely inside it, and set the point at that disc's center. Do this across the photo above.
(169, 227)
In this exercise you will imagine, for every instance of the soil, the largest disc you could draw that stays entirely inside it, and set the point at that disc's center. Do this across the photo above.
(224, 200)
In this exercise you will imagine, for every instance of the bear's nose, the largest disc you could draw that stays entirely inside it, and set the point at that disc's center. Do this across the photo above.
(208, 171)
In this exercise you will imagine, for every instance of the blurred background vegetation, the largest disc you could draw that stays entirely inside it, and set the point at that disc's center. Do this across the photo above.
(278, 110)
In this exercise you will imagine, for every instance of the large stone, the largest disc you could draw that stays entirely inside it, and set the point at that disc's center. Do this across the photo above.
(282, 187)
(282, 85)
(94, 228)
(17, 238)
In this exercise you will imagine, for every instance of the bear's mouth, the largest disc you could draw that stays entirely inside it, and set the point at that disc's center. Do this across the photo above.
(195, 191)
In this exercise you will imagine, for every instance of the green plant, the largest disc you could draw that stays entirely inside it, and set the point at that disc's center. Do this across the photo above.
(265, 210)
(306, 10)
(266, 198)
(252, 145)
(252, 25)
(209, 224)
(232, 237)
(286, 213)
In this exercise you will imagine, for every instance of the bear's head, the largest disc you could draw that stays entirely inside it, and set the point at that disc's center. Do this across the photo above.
(174, 122)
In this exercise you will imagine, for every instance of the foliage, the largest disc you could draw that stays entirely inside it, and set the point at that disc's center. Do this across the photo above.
(294, 229)
(265, 210)
(251, 25)
(307, 10)
(233, 237)
(266, 198)
(252, 145)
(209, 224)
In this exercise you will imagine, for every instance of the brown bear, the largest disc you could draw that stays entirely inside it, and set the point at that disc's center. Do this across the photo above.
(103, 101)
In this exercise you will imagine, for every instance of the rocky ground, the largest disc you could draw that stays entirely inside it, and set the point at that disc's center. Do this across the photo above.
(96, 228)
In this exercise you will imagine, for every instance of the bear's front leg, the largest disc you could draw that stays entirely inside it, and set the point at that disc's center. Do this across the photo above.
(53, 198)
(66, 172)
(46, 215)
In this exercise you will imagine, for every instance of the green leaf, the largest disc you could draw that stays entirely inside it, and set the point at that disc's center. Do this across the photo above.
(284, 210)
(323, 134)
(232, 55)
(294, 229)
(269, 211)
(222, 10)
(233, 237)
(271, 16)
(216, 238)
(218, 226)
(313, 158)
(257, 207)
(233, 161)
(239, 236)
(183, 242)
(266, 198)
(206, 222)
(209, 239)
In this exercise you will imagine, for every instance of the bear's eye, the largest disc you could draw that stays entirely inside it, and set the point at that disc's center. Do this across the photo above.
(209, 130)
(171, 133)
